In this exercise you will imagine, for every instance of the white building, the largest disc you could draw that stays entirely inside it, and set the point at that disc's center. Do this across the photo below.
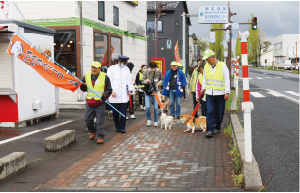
(285, 48)
(192, 50)
(93, 30)
(266, 57)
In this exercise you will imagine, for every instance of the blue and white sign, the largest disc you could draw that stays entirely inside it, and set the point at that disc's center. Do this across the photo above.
(213, 14)
(235, 26)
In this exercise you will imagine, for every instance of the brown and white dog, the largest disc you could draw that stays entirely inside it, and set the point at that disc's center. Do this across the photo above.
(199, 123)
(166, 107)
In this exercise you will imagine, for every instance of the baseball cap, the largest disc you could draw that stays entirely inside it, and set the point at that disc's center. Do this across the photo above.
(174, 63)
(207, 54)
(96, 64)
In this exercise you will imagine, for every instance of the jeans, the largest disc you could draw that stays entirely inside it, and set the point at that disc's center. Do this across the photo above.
(195, 103)
(148, 104)
(215, 106)
(173, 97)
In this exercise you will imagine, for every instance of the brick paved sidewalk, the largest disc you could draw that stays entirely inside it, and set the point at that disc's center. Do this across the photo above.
(152, 159)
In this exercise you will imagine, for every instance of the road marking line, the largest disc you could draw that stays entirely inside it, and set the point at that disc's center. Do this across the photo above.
(278, 77)
(265, 73)
(33, 132)
(286, 96)
(259, 78)
(292, 92)
(275, 94)
(257, 94)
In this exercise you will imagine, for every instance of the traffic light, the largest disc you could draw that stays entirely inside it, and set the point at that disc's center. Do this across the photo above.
(161, 9)
(254, 23)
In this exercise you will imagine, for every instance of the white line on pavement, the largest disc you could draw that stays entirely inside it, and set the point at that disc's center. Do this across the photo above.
(275, 94)
(259, 78)
(257, 94)
(292, 92)
(284, 96)
(33, 132)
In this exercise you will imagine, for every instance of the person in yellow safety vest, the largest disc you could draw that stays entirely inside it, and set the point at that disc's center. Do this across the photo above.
(216, 85)
(180, 67)
(95, 105)
(193, 82)
(138, 78)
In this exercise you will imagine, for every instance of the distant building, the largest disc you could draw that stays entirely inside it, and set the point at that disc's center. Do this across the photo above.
(168, 26)
(193, 51)
(266, 57)
(284, 48)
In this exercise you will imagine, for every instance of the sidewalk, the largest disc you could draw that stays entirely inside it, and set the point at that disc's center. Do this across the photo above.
(152, 159)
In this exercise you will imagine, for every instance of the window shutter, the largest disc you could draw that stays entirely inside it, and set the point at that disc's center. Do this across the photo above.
(5, 68)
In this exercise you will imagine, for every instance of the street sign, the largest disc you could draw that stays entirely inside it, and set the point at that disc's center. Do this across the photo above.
(169, 44)
(226, 54)
(213, 14)
(234, 25)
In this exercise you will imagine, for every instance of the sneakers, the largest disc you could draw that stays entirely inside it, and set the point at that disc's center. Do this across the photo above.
(127, 118)
(209, 134)
(144, 107)
(141, 106)
(132, 116)
(216, 132)
(155, 124)
(148, 123)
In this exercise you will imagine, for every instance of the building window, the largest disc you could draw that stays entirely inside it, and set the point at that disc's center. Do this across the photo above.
(116, 16)
(65, 49)
(151, 26)
(101, 47)
(116, 47)
(101, 11)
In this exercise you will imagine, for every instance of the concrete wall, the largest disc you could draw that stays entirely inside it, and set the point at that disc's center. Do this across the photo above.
(267, 55)
(45, 9)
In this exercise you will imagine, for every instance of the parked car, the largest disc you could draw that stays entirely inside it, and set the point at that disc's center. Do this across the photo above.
(288, 67)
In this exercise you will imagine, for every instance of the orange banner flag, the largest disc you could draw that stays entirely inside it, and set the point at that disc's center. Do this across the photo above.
(53, 73)
(104, 62)
(176, 52)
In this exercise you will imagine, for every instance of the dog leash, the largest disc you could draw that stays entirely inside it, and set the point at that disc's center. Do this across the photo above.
(193, 114)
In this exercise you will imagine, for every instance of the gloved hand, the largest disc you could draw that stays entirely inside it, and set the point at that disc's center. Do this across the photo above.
(103, 98)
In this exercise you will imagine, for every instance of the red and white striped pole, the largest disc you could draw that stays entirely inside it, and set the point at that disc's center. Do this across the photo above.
(234, 74)
(246, 106)
(237, 76)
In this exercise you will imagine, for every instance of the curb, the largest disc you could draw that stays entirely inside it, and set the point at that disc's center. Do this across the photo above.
(252, 177)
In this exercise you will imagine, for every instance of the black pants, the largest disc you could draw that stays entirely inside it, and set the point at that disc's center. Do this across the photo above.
(128, 105)
(183, 92)
(90, 113)
(141, 96)
(195, 103)
(119, 123)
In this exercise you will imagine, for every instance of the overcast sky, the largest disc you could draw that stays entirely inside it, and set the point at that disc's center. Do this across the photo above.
(273, 17)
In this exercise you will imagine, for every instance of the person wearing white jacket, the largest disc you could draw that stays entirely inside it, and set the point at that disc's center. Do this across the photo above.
(122, 87)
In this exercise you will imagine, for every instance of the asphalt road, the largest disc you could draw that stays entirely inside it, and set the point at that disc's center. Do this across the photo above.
(275, 127)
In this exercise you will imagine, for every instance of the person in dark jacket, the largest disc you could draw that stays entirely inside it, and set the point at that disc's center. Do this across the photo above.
(95, 105)
(138, 78)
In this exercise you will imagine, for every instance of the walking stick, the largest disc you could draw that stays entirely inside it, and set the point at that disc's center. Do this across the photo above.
(68, 72)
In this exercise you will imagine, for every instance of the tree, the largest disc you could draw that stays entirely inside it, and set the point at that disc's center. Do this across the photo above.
(238, 51)
(202, 45)
(218, 47)
(253, 43)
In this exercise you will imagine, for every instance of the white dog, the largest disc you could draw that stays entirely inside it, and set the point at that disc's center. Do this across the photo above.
(166, 120)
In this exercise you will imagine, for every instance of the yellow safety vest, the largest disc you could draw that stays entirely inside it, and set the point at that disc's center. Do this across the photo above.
(215, 81)
(193, 81)
(98, 88)
(140, 78)
(183, 70)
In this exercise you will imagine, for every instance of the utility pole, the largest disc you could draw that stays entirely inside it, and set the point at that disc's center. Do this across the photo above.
(228, 60)
(158, 14)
